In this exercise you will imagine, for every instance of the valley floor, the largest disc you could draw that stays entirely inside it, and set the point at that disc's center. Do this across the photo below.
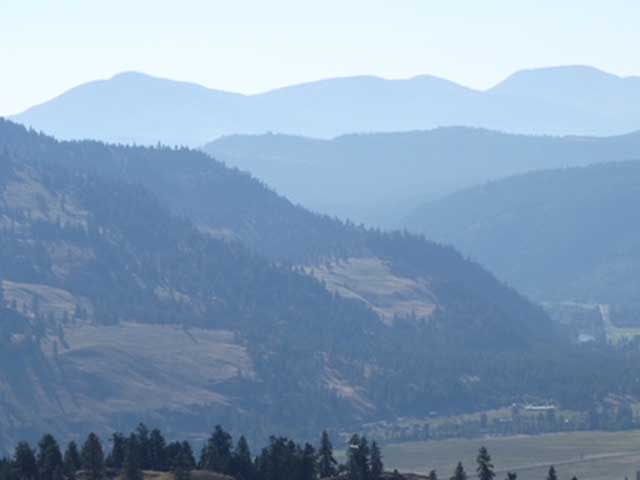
(588, 455)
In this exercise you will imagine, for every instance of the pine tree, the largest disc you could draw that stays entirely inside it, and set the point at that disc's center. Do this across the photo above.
(308, 469)
(242, 463)
(132, 465)
(187, 455)
(512, 476)
(216, 454)
(327, 464)
(92, 457)
(72, 461)
(433, 475)
(6, 469)
(142, 435)
(118, 451)
(49, 460)
(183, 467)
(485, 467)
(358, 458)
(157, 455)
(352, 458)
(459, 473)
(552, 473)
(377, 467)
(365, 463)
(24, 462)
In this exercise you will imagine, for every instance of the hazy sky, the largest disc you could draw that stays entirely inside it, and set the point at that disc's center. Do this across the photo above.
(49, 46)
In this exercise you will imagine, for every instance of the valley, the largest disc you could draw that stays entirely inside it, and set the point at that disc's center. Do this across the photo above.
(587, 455)
(319, 240)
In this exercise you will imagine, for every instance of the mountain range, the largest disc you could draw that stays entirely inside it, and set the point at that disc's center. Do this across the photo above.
(134, 107)
(179, 277)
(379, 178)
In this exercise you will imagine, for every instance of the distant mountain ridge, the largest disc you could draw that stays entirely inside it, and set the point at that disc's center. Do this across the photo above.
(134, 107)
(576, 87)
(558, 235)
(379, 178)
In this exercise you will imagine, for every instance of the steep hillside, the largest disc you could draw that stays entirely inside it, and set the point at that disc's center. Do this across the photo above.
(226, 203)
(109, 298)
(134, 107)
(112, 300)
(377, 178)
(569, 234)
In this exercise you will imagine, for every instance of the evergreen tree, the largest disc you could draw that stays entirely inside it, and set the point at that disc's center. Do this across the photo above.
(188, 457)
(157, 455)
(182, 470)
(364, 457)
(352, 458)
(132, 464)
(275, 462)
(459, 473)
(118, 451)
(6, 470)
(173, 451)
(512, 476)
(92, 457)
(242, 463)
(24, 462)
(485, 467)
(327, 464)
(308, 469)
(552, 473)
(433, 475)
(50, 465)
(358, 458)
(131, 468)
(377, 467)
(143, 444)
(72, 462)
(216, 455)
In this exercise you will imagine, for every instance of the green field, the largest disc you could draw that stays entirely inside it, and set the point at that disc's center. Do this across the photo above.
(588, 455)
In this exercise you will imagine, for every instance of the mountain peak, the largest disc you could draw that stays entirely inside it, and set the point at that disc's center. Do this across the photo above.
(132, 75)
(572, 77)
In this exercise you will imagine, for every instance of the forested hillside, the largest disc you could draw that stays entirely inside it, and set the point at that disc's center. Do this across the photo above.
(132, 272)
(378, 178)
(226, 203)
(560, 235)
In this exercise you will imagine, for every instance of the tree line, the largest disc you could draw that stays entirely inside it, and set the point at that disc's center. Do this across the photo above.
(148, 450)
(144, 449)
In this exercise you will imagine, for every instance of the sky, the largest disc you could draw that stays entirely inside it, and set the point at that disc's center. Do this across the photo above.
(249, 46)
